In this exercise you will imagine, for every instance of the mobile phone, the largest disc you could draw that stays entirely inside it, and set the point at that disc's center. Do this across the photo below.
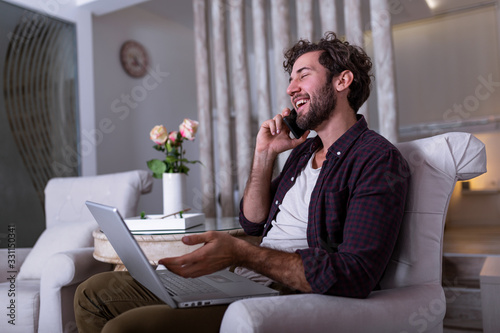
(291, 122)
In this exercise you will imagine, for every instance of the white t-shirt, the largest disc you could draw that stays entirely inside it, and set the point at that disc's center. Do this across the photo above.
(289, 230)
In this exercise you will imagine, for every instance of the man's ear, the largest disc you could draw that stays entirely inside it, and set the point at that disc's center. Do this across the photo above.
(343, 80)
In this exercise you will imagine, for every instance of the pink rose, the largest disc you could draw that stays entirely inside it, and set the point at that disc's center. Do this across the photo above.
(188, 129)
(173, 138)
(159, 135)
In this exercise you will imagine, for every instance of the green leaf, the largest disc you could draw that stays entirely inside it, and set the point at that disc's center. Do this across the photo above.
(158, 167)
(159, 147)
(183, 169)
(170, 159)
(185, 160)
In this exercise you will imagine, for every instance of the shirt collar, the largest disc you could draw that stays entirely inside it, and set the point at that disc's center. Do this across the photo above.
(340, 146)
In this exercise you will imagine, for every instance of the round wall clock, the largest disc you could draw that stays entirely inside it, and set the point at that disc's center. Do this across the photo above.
(134, 58)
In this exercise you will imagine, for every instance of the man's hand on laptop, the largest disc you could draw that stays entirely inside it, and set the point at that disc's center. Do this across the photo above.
(220, 250)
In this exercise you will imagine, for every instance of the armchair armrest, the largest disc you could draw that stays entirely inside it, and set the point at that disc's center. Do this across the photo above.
(71, 267)
(383, 311)
(64, 269)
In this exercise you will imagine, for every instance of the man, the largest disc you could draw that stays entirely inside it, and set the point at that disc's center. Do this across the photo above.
(329, 220)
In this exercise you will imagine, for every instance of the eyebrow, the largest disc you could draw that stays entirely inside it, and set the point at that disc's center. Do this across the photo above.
(299, 71)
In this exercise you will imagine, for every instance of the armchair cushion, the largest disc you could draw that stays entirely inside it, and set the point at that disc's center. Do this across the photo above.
(436, 163)
(58, 238)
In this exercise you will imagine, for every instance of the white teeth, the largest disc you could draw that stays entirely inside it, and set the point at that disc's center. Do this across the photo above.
(299, 103)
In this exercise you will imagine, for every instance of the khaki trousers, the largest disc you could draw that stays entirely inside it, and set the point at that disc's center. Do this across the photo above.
(115, 302)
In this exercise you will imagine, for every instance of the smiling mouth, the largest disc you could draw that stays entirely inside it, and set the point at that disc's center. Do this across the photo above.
(300, 103)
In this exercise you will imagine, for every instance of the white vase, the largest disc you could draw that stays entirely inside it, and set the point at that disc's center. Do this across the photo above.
(174, 192)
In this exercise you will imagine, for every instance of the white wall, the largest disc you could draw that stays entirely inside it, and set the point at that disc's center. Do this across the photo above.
(440, 63)
(123, 127)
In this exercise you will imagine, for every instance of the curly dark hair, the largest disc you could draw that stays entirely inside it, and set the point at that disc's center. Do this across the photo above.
(337, 56)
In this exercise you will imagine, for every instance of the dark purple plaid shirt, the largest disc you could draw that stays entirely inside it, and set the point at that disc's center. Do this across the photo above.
(355, 210)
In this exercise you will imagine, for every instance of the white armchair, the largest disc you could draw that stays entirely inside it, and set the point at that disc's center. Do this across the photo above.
(62, 256)
(412, 298)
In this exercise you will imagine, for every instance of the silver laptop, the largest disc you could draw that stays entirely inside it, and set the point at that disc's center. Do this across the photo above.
(222, 287)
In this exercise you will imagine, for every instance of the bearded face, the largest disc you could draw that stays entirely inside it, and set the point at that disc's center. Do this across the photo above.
(323, 102)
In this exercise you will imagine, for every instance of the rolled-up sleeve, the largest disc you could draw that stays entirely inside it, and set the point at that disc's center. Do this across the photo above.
(250, 228)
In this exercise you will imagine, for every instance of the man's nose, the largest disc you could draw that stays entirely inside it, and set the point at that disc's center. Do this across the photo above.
(292, 88)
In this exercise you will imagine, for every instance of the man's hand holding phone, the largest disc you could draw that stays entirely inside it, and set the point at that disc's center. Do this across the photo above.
(274, 134)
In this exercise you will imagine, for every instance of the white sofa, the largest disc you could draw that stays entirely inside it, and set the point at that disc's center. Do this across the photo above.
(62, 256)
(412, 298)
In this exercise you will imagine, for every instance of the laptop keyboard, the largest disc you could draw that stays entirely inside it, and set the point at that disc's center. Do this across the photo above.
(177, 285)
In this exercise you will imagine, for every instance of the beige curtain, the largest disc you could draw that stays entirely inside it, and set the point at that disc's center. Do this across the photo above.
(241, 81)
(354, 33)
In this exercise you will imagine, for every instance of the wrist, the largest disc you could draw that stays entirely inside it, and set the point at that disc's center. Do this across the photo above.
(264, 158)
(244, 251)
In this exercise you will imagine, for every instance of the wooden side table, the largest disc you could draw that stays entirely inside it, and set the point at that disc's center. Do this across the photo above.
(167, 243)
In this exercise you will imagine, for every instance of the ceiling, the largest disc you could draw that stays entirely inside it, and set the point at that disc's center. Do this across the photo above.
(402, 11)
(445, 6)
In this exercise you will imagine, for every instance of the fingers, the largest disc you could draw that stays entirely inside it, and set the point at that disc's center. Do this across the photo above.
(192, 265)
(202, 238)
(185, 270)
(190, 257)
(182, 265)
(194, 239)
(276, 124)
(286, 112)
(213, 256)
